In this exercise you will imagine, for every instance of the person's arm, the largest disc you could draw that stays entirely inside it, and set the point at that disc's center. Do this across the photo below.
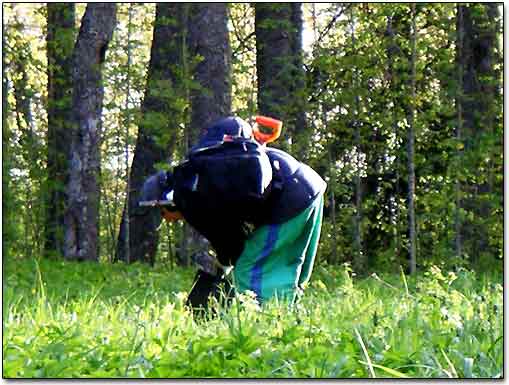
(227, 237)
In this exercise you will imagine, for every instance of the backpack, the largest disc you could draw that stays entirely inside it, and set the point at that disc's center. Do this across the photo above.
(229, 178)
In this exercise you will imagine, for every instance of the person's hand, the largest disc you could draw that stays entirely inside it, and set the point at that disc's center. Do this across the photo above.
(171, 216)
(206, 263)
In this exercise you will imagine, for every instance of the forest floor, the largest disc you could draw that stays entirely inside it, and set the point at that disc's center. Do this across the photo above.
(65, 319)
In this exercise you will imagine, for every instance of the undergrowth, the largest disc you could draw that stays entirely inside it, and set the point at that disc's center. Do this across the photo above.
(67, 320)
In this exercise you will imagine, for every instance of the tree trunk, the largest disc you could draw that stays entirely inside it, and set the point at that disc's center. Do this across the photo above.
(298, 91)
(81, 217)
(275, 63)
(60, 41)
(157, 130)
(208, 39)
(126, 139)
(478, 105)
(459, 130)
(360, 262)
(411, 150)
(8, 232)
(394, 198)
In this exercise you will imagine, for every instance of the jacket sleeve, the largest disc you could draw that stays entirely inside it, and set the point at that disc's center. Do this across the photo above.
(227, 237)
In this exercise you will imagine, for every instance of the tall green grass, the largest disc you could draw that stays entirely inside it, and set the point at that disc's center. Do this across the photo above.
(65, 320)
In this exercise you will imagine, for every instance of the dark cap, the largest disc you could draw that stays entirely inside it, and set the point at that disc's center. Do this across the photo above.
(232, 126)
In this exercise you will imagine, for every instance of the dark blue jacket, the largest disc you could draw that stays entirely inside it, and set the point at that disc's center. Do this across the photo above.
(294, 187)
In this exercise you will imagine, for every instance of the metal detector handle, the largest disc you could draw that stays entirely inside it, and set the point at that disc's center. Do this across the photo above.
(168, 209)
(155, 203)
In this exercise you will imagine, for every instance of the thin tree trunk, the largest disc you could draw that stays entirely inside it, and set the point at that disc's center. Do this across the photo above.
(60, 41)
(82, 212)
(128, 123)
(459, 129)
(333, 200)
(7, 228)
(184, 256)
(360, 260)
(161, 115)
(394, 202)
(410, 150)
(5, 102)
(9, 231)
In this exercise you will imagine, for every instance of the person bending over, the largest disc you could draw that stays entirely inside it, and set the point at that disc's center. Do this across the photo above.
(259, 207)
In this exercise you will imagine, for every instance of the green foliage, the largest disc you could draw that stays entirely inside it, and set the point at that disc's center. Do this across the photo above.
(243, 46)
(360, 75)
(68, 319)
(24, 120)
(357, 76)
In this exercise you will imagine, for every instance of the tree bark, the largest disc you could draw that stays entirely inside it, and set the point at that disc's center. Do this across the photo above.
(82, 190)
(478, 104)
(279, 66)
(208, 39)
(299, 94)
(60, 41)
(157, 132)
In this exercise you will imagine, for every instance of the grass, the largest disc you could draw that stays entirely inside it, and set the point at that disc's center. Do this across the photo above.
(67, 320)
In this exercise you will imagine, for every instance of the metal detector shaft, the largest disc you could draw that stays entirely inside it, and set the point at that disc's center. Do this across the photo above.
(155, 203)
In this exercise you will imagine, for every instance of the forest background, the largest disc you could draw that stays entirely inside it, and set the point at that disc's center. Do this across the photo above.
(398, 107)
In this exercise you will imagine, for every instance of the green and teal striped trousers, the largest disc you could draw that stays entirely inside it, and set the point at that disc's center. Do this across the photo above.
(278, 258)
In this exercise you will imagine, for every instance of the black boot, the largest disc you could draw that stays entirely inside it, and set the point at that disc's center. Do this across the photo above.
(205, 286)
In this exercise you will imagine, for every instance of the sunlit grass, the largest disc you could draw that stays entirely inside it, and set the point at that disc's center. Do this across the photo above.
(65, 319)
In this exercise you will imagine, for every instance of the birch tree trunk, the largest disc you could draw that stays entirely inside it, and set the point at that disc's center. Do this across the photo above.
(60, 41)
(81, 217)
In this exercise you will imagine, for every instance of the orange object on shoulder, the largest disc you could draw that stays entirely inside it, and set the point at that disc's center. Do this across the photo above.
(171, 216)
(265, 121)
